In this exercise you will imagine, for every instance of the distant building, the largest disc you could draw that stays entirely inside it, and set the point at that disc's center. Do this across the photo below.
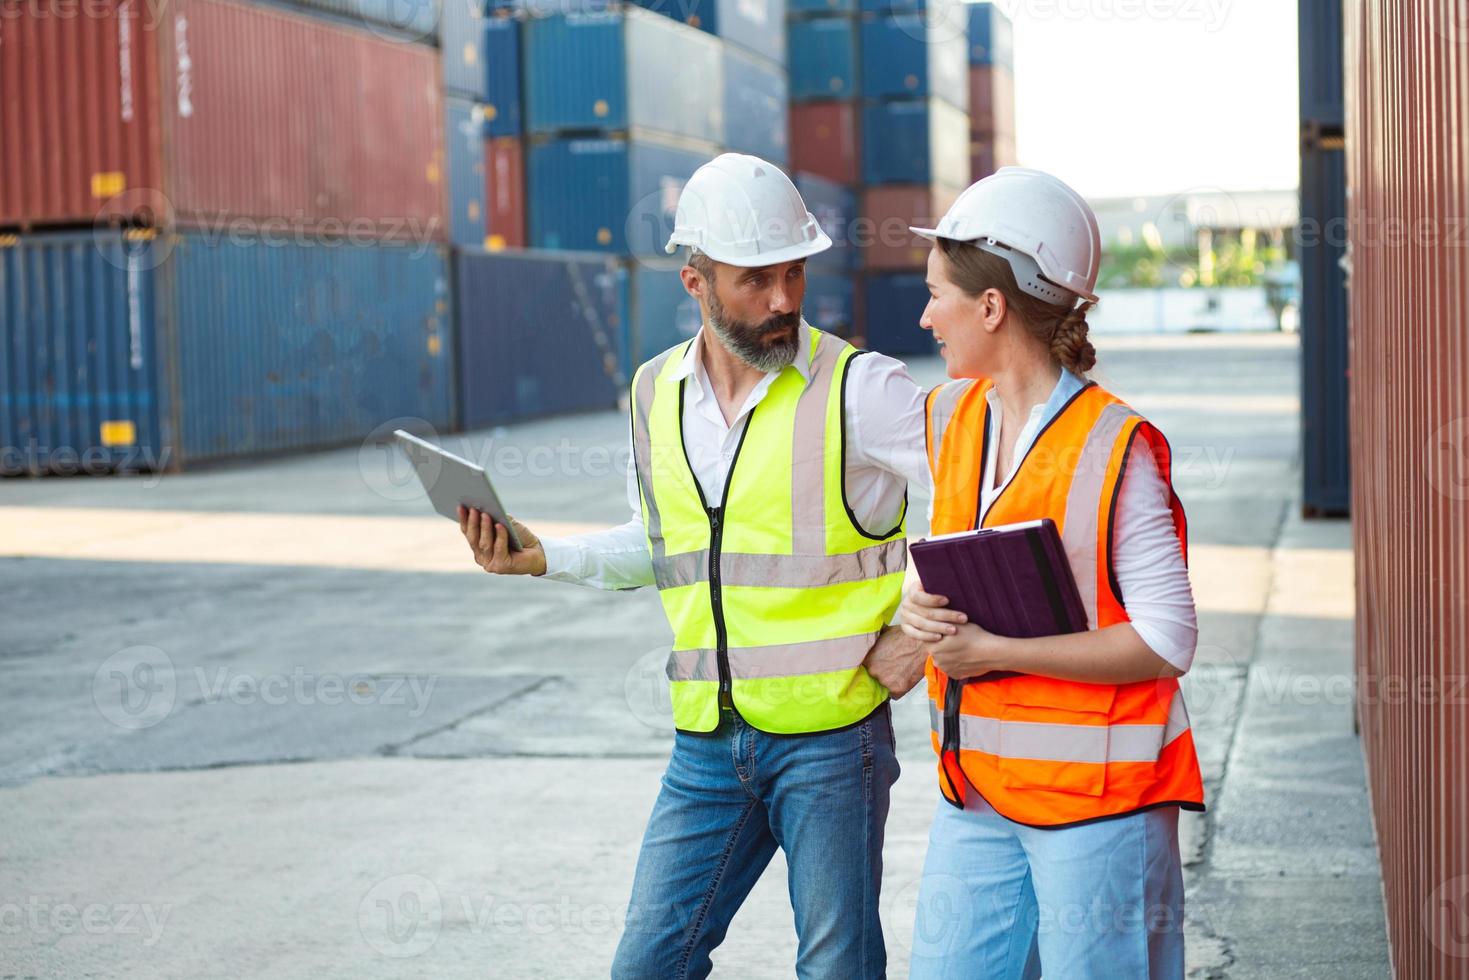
(1194, 218)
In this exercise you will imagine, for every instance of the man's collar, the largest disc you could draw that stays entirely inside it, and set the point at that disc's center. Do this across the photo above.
(691, 358)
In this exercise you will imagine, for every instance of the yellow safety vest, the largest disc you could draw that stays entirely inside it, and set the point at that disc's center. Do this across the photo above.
(775, 593)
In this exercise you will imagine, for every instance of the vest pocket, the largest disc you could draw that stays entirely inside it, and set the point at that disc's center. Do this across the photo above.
(1053, 735)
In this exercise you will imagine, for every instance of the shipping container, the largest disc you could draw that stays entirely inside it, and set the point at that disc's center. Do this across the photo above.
(889, 211)
(627, 70)
(1406, 129)
(893, 304)
(907, 56)
(1320, 45)
(755, 25)
(462, 43)
(152, 351)
(937, 10)
(502, 77)
(607, 195)
(217, 113)
(988, 155)
(991, 101)
(540, 333)
(824, 140)
(756, 107)
(661, 311)
(804, 8)
(828, 303)
(393, 20)
(915, 141)
(1325, 442)
(992, 36)
(464, 152)
(835, 208)
(504, 193)
(823, 58)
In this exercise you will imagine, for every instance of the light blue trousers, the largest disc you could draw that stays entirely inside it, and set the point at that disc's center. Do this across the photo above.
(1003, 901)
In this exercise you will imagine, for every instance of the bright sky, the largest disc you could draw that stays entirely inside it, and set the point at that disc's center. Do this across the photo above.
(1122, 97)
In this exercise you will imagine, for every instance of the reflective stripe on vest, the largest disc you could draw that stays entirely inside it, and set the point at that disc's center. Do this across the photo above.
(1043, 751)
(786, 598)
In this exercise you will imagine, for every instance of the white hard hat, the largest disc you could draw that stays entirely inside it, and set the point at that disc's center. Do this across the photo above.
(1043, 228)
(741, 210)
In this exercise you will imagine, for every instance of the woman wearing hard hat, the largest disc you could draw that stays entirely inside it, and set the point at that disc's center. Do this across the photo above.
(1063, 760)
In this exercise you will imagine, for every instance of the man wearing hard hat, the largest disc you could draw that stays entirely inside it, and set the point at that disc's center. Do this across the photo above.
(768, 485)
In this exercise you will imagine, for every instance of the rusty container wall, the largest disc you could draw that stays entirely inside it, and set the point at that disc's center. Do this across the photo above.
(259, 113)
(1407, 102)
(78, 110)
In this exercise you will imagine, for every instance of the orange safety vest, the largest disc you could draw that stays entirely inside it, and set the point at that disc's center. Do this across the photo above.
(1043, 751)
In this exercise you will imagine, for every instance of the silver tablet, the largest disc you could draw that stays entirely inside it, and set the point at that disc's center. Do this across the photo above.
(451, 481)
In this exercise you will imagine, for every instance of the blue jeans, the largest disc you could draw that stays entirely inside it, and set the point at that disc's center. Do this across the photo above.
(1005, 901)
(728, 801)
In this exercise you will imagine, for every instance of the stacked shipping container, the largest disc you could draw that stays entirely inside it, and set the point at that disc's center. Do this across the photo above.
(176, 293)
(991, 91)
(1326, 487)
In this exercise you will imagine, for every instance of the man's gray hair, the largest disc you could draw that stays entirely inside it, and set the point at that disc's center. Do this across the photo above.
(701, 263)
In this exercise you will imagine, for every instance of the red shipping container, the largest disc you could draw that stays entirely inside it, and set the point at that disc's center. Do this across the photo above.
(991, 100)
(824, 140)
(504, 193)
(882, 236)
(205, 112)
(988, 155)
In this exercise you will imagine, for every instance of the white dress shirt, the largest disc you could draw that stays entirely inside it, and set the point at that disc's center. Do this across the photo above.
(1145, 553)
(885, 452)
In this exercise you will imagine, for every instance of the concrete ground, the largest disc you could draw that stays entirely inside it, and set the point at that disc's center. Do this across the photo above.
(270, 721)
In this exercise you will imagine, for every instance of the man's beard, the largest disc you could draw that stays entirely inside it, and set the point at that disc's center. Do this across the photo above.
(750, 343)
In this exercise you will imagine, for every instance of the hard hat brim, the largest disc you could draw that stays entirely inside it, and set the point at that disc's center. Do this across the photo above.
(790, 253)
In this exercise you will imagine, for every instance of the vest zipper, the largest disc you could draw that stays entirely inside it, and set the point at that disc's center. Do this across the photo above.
(721, 637)
(953, 695)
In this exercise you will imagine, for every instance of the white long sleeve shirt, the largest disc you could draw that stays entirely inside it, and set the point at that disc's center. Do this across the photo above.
(885, 453)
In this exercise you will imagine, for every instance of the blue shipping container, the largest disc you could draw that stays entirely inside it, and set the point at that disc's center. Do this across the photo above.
(823, 58)
(1320, 45)
(835, 208)
(894, 304)
(464, 151)
(756, 107)
(462, 48)
(915, 141)
(661, 312)
(756, 25)
(145, 352)
(620, 71)
(905, 56)
(1325, 387)
(828, 303)
(991, 36)
(606, 195)
(540, 333)
(802, 8)
(502, 77)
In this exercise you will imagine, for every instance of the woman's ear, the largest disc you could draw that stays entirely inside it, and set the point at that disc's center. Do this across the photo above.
(992, 309)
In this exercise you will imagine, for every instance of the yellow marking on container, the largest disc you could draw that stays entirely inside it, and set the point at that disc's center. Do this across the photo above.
(495, 243)
(9, 241)
(434, 344)
(119, 432)
(491, 112)
(600, 108)
(604, 236)
(140, 234)
(470, 54)
(473, 210)
(433, 173)
(109, 183)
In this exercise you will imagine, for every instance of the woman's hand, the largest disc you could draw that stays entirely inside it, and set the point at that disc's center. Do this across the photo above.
(924, 617)
(969, 652)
